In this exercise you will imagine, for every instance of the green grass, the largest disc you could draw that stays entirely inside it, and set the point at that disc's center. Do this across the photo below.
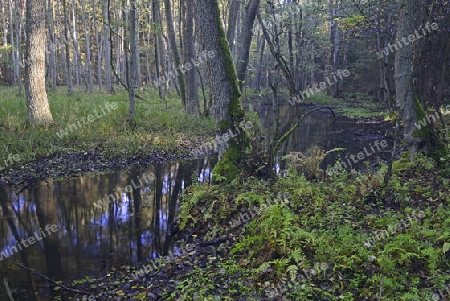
(156, 128)
(359, 107)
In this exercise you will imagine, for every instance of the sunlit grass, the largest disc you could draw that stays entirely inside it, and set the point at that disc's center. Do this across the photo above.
(358, 107)
(159, 124)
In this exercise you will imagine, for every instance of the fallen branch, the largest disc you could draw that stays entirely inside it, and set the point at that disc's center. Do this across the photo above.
(50, 280)
(5, 281)
(213, 242)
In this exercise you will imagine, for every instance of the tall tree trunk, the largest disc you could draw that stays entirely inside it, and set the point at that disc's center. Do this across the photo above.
(158, 48)
(409, 106)
(175, 52)
(98, 47)
(86, 27)
(78, 63)
(228, 112)
(14, 58)
(335, 42)
(107, 47)
(133, 59)
(5, 27)
(37, 102)
(192, 105)
(232, 21)
(53, 72)
(18, 21)
(245, 40)
(67, 48)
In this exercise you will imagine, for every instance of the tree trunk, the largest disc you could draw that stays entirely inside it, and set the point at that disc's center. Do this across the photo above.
(158, 49)
(67, 48)
(409, 106)
(133, 59)
(5, 27)
(228, 112)
(192, 105)
(37, 102)
(245, 41)
(53, 72)
(15, 60)
(232, 20)
(175, 52)
(107, 47)
(98, 47)
(86, 26)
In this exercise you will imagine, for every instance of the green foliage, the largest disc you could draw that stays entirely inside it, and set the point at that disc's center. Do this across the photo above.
(156, 127)
(329, 224)
(356, 105)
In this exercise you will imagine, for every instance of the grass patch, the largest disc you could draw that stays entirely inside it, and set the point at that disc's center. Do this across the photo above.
(159, 125)
(360, 106)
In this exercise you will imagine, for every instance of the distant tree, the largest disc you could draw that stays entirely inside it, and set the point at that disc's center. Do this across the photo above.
(37, 101)
(174, 48)
(132, 81)
(192, 105)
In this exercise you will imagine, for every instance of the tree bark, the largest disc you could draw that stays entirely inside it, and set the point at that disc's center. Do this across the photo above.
(67, 48)
(133, 59)
(107, 47)
(158, 49)
(409, 106)
(53, 72)
(245, 41)
(37, 102)
(228, 112)
(192, 105)
(86, 26)
(175, 52)
(232, 20)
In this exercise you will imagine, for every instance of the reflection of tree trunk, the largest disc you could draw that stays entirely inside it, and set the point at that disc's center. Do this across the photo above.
(174, 197)
(4, 197)
(159, 175)
(137, 222)
(46, 212)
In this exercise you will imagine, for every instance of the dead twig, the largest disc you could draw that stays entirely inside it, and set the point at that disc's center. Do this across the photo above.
(50, 280)
(5, 281)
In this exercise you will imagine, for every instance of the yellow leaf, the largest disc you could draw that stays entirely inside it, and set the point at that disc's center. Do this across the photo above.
(121, 293)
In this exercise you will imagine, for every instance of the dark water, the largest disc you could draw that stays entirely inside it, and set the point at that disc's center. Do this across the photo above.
(135, 226)
(89, 237)
(322, 130)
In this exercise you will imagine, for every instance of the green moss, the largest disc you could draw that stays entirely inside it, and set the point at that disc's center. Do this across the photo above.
(424, 131)
(235, 110)
(227, 169)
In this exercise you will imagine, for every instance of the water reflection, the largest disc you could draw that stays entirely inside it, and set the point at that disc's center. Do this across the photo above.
(92, 235)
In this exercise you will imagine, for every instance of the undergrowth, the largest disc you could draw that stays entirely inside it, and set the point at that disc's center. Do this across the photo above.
(156, 127)
(346, 237)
